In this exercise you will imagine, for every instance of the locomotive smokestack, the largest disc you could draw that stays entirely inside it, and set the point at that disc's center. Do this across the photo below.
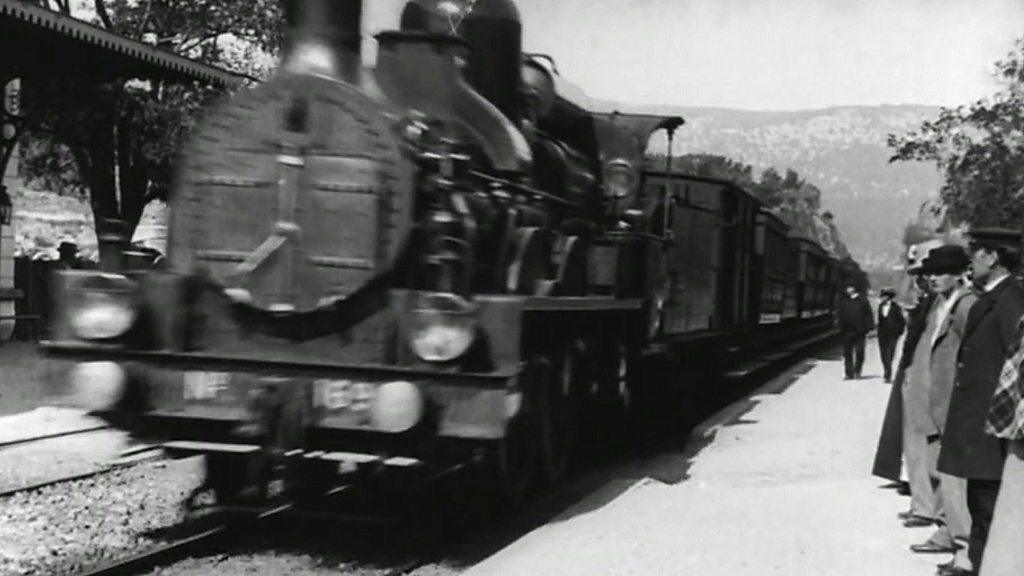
(323, 36)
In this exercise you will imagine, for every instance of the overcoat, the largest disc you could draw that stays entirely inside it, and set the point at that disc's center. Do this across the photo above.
(855, 317)
(990, 331)
(917, 379)
(891, 325)
(945, 349)
(889, 453)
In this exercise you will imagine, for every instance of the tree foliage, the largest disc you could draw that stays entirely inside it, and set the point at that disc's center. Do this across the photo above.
(979, 148)
(792, 198)
(116, 142)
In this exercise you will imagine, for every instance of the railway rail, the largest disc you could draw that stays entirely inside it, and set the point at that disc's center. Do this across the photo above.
(51, 436)
(229, 525)
(128, 458)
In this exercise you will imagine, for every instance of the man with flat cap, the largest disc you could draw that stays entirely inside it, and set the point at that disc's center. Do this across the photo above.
(990, 336)
(926, 402)
(890, 327)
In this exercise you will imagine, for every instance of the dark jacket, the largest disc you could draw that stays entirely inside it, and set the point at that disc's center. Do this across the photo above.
(990, 331)
(855, 317)
(890, 326)
(889, 453)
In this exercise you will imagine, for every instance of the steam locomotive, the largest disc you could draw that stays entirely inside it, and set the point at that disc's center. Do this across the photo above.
(447, 259)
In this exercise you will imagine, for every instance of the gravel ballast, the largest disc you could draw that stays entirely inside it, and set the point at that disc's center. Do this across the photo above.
(71, 526)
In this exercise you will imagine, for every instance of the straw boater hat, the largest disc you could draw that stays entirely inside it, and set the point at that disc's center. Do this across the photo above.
(949, 259)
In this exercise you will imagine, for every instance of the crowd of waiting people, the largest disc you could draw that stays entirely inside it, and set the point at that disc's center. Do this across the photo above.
(955, 417)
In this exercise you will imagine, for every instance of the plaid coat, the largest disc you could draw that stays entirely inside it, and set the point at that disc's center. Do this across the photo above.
(1006, 413)
(989, 338)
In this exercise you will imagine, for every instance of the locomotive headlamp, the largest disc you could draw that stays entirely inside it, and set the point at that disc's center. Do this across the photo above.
(97, 386)
(618, 179)
(443, 327)
(103, 307)
(396, 407)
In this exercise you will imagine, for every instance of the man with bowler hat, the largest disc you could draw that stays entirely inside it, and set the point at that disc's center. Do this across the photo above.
(890, 327)
(989, 337)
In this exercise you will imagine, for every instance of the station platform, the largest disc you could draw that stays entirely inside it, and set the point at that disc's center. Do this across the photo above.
(779, 484)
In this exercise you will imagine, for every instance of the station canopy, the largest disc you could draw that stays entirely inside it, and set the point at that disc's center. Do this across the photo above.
(36, 41)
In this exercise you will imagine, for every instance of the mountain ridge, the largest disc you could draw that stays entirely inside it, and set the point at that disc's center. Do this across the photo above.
(840, 149)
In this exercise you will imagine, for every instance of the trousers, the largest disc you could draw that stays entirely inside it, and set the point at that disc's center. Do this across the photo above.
(1005, 553)
(887, 349)
(917, 452)
(981, 501)
(853, 354)
(951, 505)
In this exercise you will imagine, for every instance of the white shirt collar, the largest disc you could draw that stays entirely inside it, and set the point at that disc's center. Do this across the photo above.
(991, 284)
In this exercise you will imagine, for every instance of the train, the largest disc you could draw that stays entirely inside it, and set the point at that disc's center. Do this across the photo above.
(449, 260)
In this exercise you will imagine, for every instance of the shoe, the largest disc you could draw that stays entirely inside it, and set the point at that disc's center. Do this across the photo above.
(930, 547)
(905, 515)
(903, 490)
(917, 521)
(955, 571)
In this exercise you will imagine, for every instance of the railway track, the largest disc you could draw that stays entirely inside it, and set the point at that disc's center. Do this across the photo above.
(62, 434)
(219, 534)
(213, 540)
(128, 458)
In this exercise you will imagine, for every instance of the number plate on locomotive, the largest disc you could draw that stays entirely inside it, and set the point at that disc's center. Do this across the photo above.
(343, 394)
(204, 385)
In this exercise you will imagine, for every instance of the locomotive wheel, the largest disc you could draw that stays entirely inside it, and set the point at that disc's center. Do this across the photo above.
(558, 418)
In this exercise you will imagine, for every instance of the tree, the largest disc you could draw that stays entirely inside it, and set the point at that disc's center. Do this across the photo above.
(117, 142)
(789, 196)
(979, 148)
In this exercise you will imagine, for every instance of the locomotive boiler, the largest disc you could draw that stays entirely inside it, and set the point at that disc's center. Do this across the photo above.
(447, 259)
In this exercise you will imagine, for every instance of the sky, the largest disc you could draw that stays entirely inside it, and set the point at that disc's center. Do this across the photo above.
(768, 54)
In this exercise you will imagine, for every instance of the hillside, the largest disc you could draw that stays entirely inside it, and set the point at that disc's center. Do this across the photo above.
(840, 150)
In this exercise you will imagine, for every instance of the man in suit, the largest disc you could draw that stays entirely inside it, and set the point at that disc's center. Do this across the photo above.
(890, 328)
(989, 337)
(928, 402)
(889, 453)
(855, 321)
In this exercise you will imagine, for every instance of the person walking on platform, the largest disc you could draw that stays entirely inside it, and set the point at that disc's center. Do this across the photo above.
(889, 454)
(890, 327)
(855, 321)
(944, 268)
(989, 337)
